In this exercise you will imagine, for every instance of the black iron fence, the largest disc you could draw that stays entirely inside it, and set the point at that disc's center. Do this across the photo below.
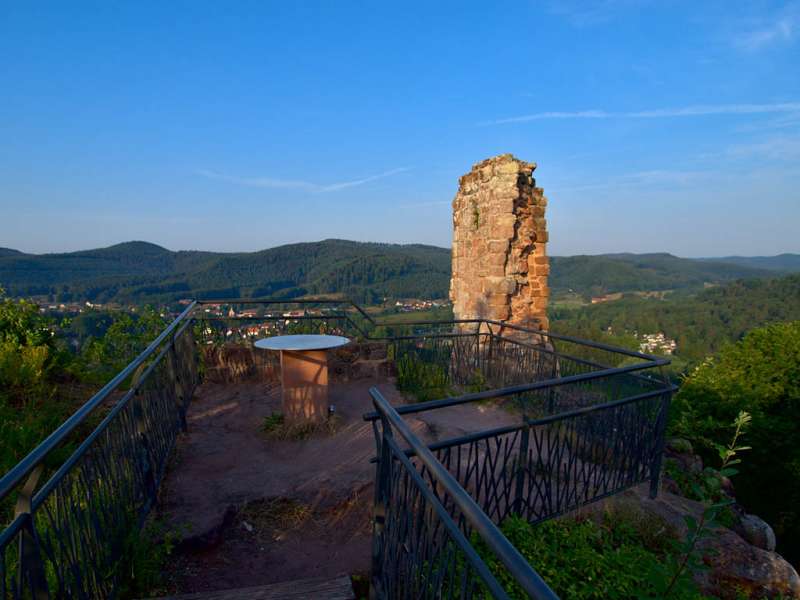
(427, 525)
(67, 537)
(590, 422)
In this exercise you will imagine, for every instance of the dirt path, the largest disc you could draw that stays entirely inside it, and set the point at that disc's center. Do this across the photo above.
(254, 511)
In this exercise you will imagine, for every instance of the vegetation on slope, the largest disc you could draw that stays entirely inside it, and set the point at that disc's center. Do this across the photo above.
(701, 324)
(781, 262)
(138, 272)
(586, 559)
(42, 381)
(596, 275)
(761, 375)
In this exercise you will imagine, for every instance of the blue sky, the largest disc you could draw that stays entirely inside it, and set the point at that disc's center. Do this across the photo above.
(656, 126)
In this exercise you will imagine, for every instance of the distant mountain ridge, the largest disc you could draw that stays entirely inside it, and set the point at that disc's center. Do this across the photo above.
(781, 262)
(140, 271)
(624, 272)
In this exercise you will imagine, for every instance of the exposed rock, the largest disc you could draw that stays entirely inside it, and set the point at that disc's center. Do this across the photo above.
(500, 266)
(758, 532)
(736, 564)
(733, 563)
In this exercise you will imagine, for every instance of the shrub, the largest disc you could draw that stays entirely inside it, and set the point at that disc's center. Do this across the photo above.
(761, 375)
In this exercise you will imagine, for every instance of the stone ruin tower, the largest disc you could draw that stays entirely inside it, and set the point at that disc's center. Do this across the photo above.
(500, 265)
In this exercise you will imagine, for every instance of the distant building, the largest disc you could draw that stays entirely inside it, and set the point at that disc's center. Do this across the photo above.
(607, 298)
(657, 343)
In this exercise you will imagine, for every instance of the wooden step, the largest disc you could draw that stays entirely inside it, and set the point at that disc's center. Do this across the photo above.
(338, 588)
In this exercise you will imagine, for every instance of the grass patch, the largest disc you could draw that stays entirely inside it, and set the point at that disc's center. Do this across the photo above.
(146, 554)
(275, 427)
(275, 517)
(584, 559)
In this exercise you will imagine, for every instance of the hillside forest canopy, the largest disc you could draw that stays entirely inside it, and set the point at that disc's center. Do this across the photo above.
(140, 272)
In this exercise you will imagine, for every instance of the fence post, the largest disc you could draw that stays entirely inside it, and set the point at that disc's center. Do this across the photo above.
(522, 468)
(382, 482)
(30, 566)
(661, 438)
(174, 370)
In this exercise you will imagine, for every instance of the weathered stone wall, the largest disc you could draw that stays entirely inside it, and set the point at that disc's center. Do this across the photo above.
(500, 264)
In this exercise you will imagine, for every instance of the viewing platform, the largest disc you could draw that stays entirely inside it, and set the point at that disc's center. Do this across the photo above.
(438, 431)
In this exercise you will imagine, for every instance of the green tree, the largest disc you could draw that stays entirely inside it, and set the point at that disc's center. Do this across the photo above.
(28, 350)
(124, 339)
(761, 375)
(30, 359)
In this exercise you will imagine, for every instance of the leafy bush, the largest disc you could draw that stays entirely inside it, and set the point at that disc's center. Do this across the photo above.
(28, 351)
(41, 382)
(29, 359)
(125, 338)
(760, 375)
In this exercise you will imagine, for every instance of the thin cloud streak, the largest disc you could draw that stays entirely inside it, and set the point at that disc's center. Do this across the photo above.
(661, 113)
(293, 184)
(781, 31)
(779, 148)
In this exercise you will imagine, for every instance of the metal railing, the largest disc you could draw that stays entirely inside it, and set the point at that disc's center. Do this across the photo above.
(67, 538)
(423, 544)
(591, 422)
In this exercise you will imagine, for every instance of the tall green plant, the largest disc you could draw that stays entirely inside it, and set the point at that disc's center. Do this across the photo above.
(670, 578)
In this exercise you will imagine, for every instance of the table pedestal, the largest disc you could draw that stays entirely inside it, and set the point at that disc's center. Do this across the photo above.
(304, 378)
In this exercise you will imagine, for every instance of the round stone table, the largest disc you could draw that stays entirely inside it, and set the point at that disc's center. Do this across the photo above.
(304, 373)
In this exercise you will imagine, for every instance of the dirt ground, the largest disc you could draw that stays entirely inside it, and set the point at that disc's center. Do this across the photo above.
(251, 510)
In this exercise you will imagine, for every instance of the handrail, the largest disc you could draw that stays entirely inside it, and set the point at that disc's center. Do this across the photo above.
(562, 416)
(48, 487)
(569, 338)
(479, 321)
(519, 568)
(287, 301)
(329, 317)
(514, 389)
(461, 541)
(22, 469)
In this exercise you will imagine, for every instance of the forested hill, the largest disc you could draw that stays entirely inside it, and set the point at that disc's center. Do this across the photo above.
(142, 272)
(700, 323)
(781, 262)
(596, 275)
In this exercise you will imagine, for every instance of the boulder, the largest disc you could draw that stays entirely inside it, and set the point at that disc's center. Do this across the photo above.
(734, 564)
(757, 531)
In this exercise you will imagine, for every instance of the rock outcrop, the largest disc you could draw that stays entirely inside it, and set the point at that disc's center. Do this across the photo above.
(500, 264)
(735, 567)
